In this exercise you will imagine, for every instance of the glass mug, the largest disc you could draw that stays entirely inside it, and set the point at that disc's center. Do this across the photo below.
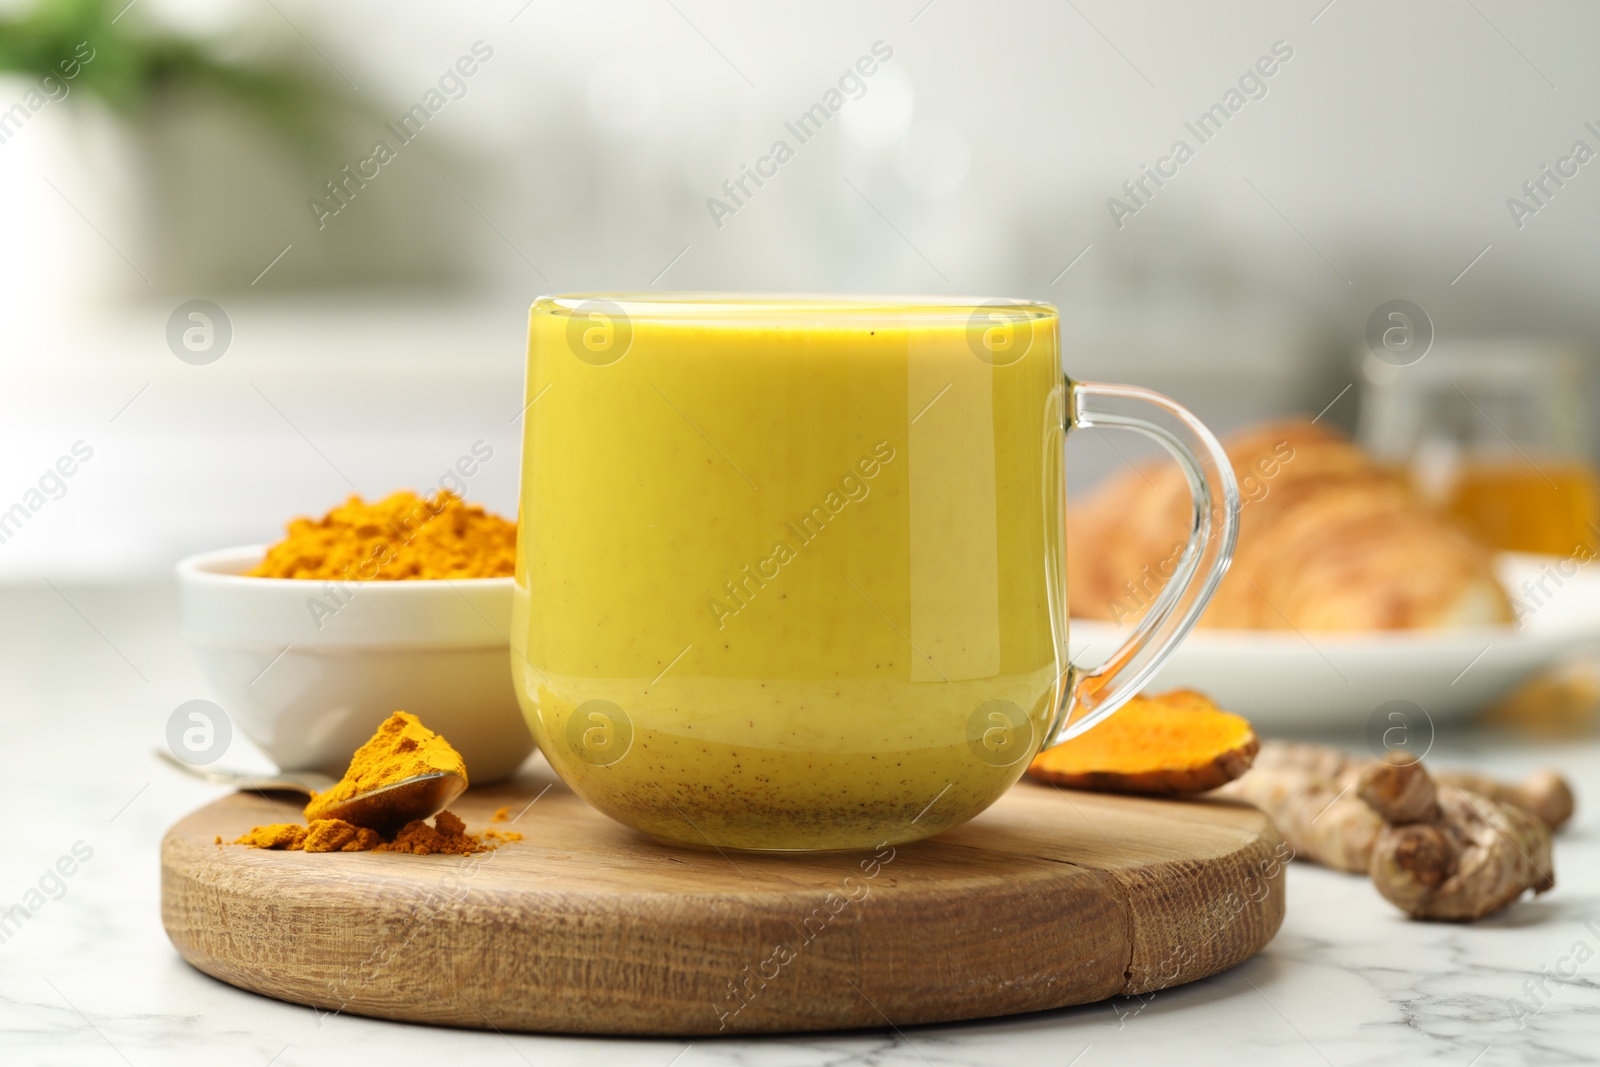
(790, 571)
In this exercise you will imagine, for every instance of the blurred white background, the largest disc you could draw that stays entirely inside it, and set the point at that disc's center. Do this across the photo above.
(978, 159)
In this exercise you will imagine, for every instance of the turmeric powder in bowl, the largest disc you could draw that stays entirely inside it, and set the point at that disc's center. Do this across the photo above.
(403, 537)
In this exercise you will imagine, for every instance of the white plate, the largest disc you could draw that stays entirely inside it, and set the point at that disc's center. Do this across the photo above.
(1283, 680)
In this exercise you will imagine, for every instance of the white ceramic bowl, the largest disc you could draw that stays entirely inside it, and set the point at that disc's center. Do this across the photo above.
(308, 670)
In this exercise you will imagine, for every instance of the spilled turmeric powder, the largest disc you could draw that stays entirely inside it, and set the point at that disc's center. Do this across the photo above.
(278, 835)
(402, 748)
(501, 814)
(402, 537)
(448, 836)
(323, 835)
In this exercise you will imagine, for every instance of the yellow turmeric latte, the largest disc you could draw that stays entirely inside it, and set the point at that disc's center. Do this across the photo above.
(401, 537)
(786, 565)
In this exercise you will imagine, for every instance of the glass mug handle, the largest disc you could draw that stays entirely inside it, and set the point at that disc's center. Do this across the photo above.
(1093, 693)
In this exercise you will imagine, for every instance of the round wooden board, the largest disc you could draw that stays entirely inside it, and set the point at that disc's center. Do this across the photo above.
(1047, 899)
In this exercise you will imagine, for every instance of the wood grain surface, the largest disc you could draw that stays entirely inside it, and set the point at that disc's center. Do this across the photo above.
(1047, 899)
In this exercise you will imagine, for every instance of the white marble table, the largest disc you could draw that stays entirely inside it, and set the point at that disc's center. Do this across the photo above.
(88, 677)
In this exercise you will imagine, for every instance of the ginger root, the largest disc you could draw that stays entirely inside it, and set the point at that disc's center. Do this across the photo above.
(1543, 793)
(1307, 791)
(1310, 792)
(1447, 852)
(1178, 742)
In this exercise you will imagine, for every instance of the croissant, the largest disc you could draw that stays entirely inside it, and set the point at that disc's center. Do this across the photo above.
(1328, 540)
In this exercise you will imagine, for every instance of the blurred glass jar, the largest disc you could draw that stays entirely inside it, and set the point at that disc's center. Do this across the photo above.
(1495, 432)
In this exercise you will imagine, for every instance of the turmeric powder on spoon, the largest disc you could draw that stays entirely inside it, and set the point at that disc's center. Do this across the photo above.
(402, 748)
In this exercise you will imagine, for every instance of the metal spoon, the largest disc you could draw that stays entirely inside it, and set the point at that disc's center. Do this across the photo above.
(385, 808)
